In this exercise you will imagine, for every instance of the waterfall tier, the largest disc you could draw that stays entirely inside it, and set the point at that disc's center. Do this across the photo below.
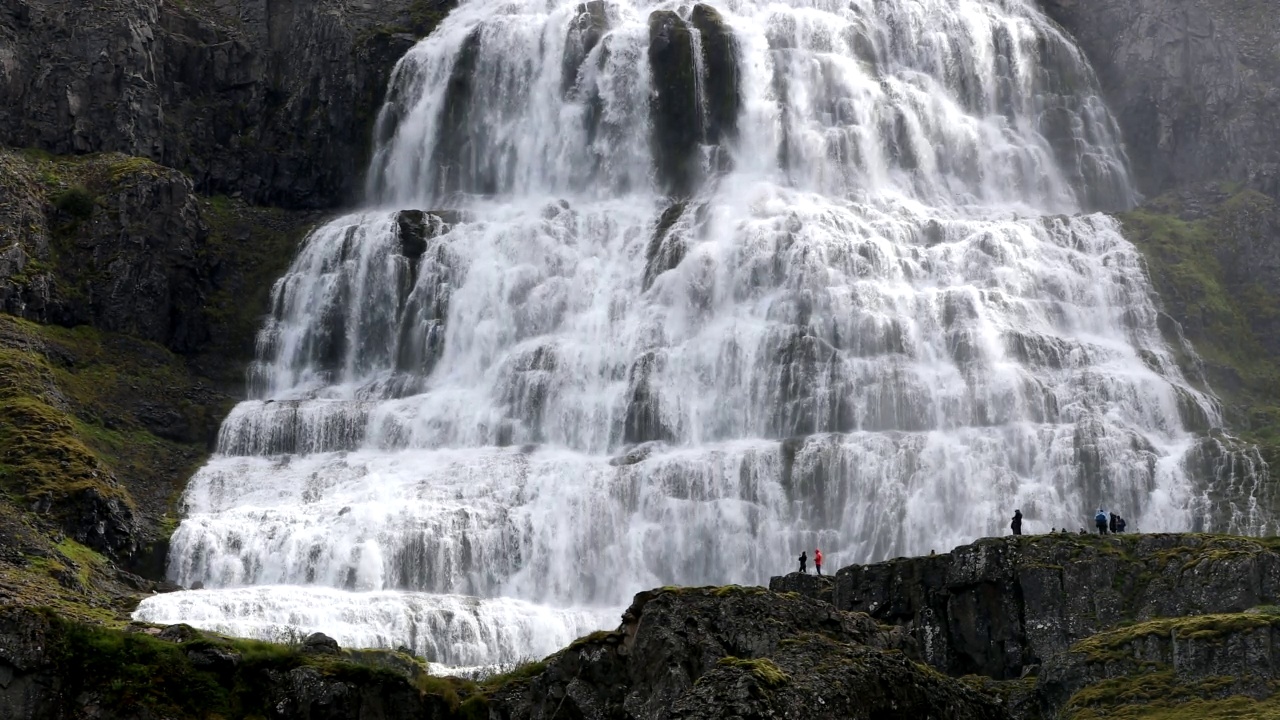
(718, 285)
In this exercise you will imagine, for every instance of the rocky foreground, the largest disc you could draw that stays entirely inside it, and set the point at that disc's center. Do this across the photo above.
(1051, 626)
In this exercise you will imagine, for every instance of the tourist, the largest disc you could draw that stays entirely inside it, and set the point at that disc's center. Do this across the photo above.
(1101, 521)
(817, 560)
(804, 559)
(1017, 522)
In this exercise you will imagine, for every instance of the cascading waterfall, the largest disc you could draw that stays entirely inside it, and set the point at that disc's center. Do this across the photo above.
(715, 286)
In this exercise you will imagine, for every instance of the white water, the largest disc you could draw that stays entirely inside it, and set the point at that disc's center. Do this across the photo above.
(538, 415)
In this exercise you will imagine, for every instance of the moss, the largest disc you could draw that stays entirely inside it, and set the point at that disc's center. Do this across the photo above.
(259, 244)
(1158, 695)
(134, 673)
(594, 638)
(1114, 644)
(1224, 318)
(764, 670)
(75, 201)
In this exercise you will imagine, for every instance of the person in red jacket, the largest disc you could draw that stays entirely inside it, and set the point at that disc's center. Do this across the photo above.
(817, 560)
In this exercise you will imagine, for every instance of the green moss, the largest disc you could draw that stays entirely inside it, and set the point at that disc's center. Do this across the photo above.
(1158, 695)
(1115, 644)
(75, 201)
(764, 670)
(259, 244)
(1222, 318)
(134, 673)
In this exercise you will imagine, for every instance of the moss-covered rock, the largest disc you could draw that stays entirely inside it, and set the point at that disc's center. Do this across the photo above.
(1213, 254)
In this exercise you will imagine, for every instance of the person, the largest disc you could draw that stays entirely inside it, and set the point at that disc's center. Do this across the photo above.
(817, 560)
(1112, 524)
(1120, 524)
(804, 558)
(1101, 520)
(1017, 522)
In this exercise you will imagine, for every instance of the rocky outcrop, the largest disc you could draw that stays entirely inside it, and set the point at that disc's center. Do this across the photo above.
(738, 652)
(818, 587)
(52, 669)
(272, 101)
(677, 127)
(1170, 659)
(1192, 85)
(691, 115)
(1001, 607)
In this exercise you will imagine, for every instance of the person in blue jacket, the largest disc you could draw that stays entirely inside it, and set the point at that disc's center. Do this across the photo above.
(1101, 521)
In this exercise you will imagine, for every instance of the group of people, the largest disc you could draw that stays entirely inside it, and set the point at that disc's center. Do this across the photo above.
(1106, 523)
(817, 560)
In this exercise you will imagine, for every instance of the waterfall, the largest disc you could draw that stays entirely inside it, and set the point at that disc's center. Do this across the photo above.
(660, 293)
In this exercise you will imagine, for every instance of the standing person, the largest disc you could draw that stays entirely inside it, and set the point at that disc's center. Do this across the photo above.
(1101, 521)
(1017, 522)
(1114, 524)
(1120, 525)
(817, 560)
(804, 558)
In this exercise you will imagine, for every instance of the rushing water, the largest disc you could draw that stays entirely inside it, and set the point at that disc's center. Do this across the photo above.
(875, 320)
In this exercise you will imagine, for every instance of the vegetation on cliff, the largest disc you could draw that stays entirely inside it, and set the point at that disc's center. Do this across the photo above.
(130, 306)
(1209, 254)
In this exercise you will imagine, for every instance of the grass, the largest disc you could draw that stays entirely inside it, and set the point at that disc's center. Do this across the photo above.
(1158, 695)
(764, 670)
(1115, 644)
(135, 673)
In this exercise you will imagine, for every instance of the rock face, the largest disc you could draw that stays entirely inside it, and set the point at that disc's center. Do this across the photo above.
(272, 100)
(1192, 83)
(1000, 607)
(742, 653)
(51, 669)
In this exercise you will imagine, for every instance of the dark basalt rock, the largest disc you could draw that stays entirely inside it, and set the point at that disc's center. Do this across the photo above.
(268, 101)
(1001, 606)
(667, 248)
(818, 587)
(677, 126)
(738, 652)
(722, 84)
(320, 644)
(585, 32)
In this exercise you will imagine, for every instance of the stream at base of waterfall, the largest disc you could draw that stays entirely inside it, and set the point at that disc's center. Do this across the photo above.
(879, 314)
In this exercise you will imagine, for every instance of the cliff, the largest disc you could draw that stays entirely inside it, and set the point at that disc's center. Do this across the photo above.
(679, 653)
(1066, 624)
(1032, 628)
(269, 101)
(1192, 84)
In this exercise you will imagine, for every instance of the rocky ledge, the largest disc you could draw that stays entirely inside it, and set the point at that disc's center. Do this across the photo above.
(1069, 626)
(1031, 628)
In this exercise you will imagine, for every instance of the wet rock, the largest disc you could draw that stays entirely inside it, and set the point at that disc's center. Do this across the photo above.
(320, 644)
(644, 419)
(667, 247)
(587, 28)
(461, 143)
(722, 83)
(673, 107)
